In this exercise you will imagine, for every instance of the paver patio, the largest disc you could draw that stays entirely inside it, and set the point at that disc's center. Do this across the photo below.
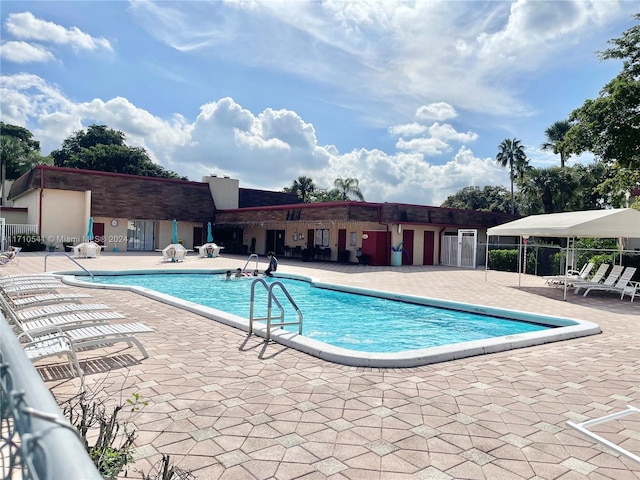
(228, 406)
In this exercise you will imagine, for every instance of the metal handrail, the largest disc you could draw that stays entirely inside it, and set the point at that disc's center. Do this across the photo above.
(69, 257)
(38, 442)
(253, 255)
(271, 299)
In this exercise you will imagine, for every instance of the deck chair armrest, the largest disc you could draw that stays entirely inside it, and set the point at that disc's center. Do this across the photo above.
(41, 331)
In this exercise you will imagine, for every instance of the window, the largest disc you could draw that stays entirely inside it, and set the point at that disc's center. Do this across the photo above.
(322, 237)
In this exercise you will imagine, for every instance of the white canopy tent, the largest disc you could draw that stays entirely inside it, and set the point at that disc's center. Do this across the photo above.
(613, 223)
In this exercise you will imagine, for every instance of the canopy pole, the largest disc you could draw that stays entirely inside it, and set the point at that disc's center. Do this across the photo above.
(486, 259)
(519, 259)
(566, 271)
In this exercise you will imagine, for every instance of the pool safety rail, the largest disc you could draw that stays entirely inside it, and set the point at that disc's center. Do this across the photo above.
(36, 441)
(584, 428)
(253, 256)
(272, 322)
(61, 254)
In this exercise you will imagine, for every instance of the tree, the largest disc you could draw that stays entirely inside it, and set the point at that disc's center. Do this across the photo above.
(303, 187)
(549, 190)
(323, 195)
(344, 187)
(555, 138)
(19, 152)
(104, 149)
(609, 126)
(487, 199)
(511, 154)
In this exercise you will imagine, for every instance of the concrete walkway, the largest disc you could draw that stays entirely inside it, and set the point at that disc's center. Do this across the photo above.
(228, 406)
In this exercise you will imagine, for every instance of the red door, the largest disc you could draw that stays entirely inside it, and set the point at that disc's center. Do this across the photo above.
(407, 246)
(429, 246)
(377, 245)
(98, 233)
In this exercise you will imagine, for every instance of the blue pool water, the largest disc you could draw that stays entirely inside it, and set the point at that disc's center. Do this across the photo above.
(356, 322)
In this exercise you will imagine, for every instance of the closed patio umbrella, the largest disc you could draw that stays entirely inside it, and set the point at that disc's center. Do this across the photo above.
(209, 234)
(174, 232)
(90, 230)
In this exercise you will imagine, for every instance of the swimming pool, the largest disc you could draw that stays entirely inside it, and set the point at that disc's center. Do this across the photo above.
(423, 332)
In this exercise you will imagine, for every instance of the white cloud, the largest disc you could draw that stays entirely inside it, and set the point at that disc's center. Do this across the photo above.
(408, 129)
(264, 150)
(448, 133)
(436, 111)
(426, 146)
(27, 27)
(23, 52)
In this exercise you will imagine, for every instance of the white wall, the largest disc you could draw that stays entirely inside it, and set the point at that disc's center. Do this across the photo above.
(225, 192)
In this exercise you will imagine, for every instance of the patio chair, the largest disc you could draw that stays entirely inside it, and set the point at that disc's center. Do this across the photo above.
(60, 309)
(27, 278)
(618, 287)
(54, 346)
(10, 256)
(30, 288)
(557, 280)
(611, 279)
(90, 336)
(46, 299)
(597, 277)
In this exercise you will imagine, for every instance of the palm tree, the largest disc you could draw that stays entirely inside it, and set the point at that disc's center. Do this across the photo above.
(511, 153)
(303, 187)
(550, 190)
(555, 138)
(346, 187)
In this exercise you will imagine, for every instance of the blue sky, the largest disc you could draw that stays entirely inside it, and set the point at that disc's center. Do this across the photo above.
(412, 98)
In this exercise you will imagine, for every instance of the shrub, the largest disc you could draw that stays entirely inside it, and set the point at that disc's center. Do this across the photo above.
(504, 260)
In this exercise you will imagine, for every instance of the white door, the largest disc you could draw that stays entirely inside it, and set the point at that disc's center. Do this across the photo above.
(467, 248)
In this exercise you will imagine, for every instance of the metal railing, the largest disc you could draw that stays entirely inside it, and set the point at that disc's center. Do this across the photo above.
(59, 254)
(271, 299)
(253, 256)
(36, 441)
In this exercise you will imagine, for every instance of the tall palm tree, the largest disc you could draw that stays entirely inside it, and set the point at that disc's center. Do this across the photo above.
(346, 187)
(555, 138)
(303, 187)
(511, 154)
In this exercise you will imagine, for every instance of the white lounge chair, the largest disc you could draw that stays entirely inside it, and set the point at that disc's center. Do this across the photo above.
(596, 278)
(54, 346)
(174, 252)
(557, 280)
(22, 279)
(26, 289)
(10, 256)
(72, 319)
(28, 315)
(46, 299)
(618, 287)
(612, 277)
(209, 250)
(92, 336)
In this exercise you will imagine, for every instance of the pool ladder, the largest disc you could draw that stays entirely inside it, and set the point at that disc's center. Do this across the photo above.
(253, 256)
(272, 321)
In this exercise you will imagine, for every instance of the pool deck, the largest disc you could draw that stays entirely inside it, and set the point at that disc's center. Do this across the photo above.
(228, 406)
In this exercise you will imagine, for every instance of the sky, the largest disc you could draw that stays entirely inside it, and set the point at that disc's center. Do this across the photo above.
(412, 98)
